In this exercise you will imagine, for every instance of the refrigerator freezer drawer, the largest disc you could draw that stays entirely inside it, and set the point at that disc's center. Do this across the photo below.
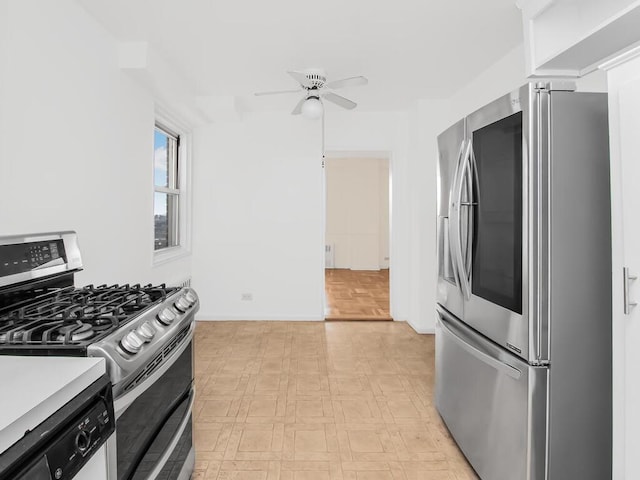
(493, 403)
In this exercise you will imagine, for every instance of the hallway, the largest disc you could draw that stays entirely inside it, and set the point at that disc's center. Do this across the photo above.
(357, 294)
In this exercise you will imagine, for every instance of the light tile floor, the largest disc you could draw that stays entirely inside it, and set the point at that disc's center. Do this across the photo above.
(319, 401)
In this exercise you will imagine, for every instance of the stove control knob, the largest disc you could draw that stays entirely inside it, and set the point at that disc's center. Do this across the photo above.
(83, 440)
(191, 297)
(166, 316)
(131, 342)
(146, 331)
(182, 304)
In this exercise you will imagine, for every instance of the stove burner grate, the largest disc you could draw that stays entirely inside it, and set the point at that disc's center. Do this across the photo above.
(78, 316)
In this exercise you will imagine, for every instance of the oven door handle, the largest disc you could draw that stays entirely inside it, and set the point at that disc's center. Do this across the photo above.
(120, 404)
(189, 396)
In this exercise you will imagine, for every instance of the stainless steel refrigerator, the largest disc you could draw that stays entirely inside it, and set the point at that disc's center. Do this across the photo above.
(523, 314)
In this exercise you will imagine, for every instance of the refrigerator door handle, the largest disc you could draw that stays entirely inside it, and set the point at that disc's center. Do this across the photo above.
(452, 234)
(462, 265)
(476, 350)
(472, 180)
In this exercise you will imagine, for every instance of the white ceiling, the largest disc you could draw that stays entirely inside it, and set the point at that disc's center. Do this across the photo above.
(408, 49)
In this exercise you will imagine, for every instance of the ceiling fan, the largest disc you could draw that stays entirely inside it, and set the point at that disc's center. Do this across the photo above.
(313, 82)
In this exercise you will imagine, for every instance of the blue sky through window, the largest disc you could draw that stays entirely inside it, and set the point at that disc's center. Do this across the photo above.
(160, 171)
(160, 159)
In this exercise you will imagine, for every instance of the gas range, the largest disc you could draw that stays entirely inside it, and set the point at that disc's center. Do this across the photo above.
(71, 318)
(144, 333)
(43, 313)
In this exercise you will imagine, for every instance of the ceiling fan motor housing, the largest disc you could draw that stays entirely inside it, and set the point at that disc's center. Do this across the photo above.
(316, 79)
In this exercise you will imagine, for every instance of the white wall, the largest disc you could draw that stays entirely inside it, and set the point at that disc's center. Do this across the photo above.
(258, 220)
(76, 142)
(505, 75)
(259, 211)
(357, 212)
(426, 120)
(384, 180)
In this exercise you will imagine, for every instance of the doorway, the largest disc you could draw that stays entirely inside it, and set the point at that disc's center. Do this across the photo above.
(357, 238)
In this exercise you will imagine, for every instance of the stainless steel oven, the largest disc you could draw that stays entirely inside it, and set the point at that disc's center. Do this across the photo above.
(154, 432)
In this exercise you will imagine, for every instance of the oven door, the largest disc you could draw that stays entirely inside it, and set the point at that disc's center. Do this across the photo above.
(154, 431)
(501, 166)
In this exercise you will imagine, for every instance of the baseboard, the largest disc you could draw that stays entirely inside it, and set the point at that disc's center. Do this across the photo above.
(422, 331)
(205, 317)
(357, 318)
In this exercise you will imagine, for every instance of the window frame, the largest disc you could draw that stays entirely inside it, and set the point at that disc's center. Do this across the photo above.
(171, 125)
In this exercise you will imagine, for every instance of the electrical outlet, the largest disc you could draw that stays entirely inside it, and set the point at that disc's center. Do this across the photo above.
(247, 297)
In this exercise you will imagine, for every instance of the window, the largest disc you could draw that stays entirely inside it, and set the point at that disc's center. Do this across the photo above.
(167, 193)
(172, 140)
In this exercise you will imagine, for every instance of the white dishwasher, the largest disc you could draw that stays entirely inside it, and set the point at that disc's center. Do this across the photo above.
(59, 428)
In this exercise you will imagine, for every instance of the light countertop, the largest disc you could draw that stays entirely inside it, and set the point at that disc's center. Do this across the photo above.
(33, 388)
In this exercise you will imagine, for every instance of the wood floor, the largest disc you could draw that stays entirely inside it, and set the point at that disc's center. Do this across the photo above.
(319, 401)
(357, 294)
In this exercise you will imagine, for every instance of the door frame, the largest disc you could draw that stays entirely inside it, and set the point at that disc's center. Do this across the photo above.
(370, 154)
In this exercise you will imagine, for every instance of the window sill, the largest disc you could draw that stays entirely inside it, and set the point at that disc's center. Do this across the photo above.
(169, 254)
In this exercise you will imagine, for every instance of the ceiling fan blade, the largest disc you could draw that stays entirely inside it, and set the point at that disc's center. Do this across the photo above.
(348, 82)
(298, 109)
(341, 101)
(276, 92)
(301, 78)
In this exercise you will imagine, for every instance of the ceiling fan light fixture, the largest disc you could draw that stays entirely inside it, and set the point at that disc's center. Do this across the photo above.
(313, 82)
(312, 108)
